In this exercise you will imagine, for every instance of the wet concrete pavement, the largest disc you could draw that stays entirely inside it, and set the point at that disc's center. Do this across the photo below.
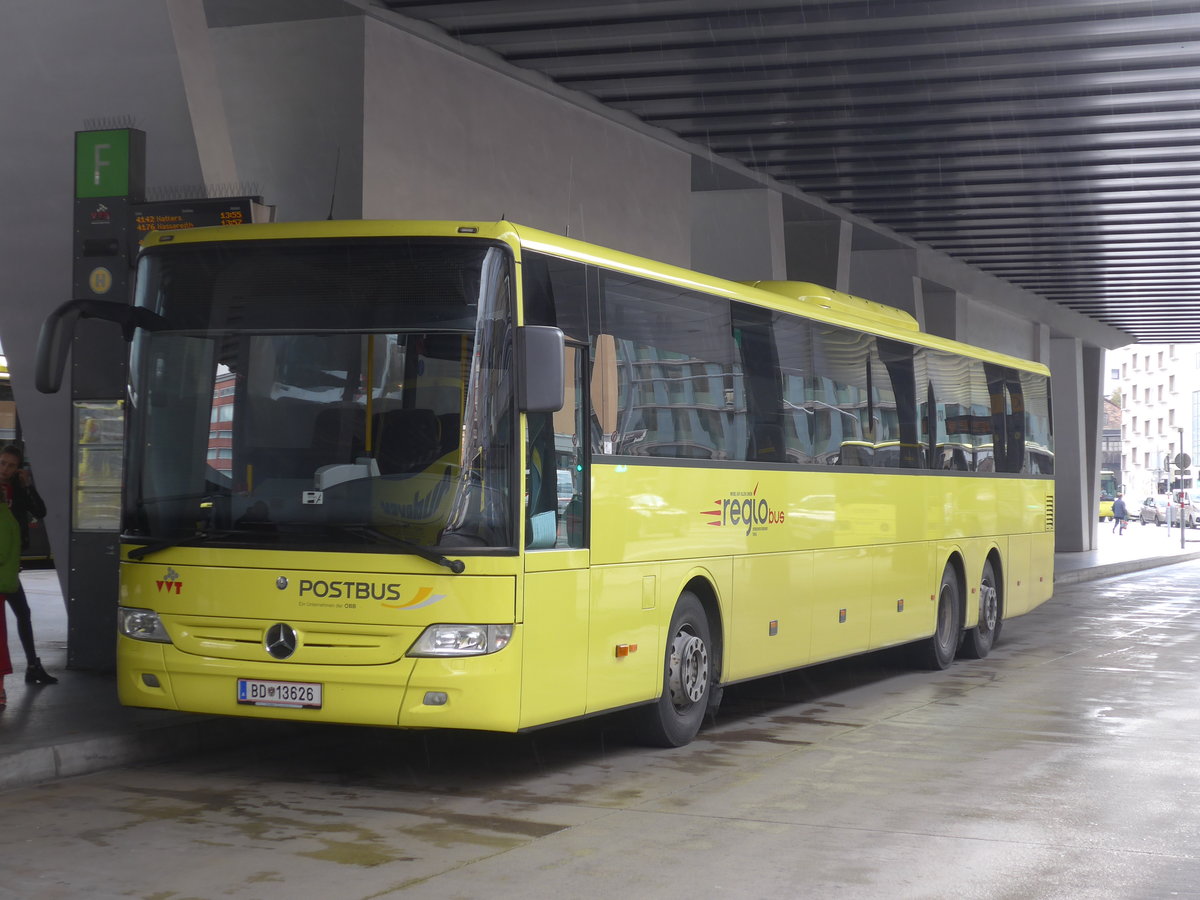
(77, 726)
(1062, 766)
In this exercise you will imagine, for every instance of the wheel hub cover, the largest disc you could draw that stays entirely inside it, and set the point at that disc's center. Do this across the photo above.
(689, 669)
(989, 604)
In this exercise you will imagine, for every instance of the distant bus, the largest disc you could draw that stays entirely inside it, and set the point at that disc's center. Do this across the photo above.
(474, 475)
(1109, 488)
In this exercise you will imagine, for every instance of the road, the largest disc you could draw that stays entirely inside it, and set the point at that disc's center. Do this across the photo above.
(1063, 766)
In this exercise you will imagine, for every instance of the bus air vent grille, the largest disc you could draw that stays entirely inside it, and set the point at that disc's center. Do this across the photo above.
(319, 643)
(1050, 513)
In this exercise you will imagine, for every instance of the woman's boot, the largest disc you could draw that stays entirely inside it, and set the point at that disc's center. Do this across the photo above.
(35, 674)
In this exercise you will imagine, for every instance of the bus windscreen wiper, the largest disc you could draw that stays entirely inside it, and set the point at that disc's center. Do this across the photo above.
(155, 546)
(457, 566)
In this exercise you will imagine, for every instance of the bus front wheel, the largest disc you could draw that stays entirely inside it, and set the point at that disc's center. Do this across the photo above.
(674, 719)
(979, 641)
(938, 650)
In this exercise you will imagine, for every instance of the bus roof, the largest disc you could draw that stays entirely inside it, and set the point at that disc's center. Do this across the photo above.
(802, 298)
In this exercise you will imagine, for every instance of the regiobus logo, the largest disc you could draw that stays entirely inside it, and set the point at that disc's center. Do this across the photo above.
(744, 508)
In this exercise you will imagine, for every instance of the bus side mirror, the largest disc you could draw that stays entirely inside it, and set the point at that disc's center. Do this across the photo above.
(59, 330)
(53, 343)
(541, 362)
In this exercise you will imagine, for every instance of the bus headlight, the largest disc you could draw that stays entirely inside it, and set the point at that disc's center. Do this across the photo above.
(461, 640)
(141, 625)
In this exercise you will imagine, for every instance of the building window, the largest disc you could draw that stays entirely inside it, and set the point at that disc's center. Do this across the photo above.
(1195, 441)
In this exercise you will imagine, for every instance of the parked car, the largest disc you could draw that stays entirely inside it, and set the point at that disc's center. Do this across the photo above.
(1191, 512)
(1155, 509)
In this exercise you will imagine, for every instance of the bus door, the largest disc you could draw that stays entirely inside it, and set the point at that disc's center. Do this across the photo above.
(555, 611)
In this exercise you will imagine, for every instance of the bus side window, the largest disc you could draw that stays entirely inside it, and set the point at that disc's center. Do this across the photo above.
(760, 372)
(571, 453)
(556, 293)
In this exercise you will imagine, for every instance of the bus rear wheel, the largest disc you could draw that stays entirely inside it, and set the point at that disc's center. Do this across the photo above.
(979, 641)
(675, 718)
(938, 650)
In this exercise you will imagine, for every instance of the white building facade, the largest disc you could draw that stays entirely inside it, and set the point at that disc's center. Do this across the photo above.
(1158, 386)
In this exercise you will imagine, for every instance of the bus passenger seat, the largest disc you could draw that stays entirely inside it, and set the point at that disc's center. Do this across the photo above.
(406, 440)
(338, 434)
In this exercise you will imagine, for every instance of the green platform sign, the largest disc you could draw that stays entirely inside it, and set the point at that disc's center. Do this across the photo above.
(104, 162)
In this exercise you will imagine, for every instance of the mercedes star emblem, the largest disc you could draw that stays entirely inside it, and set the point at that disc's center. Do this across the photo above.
(281, 640)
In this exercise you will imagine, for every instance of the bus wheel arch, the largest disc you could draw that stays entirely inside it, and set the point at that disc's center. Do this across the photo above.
(979, 641)
(691, 658)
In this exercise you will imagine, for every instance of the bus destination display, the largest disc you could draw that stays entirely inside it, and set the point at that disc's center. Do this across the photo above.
(174, 215)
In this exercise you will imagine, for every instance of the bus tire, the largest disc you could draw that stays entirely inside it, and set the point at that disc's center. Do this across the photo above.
(939, 649)
(675, 717)
(978, 642)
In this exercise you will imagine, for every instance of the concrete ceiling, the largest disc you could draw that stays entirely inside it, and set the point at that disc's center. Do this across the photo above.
(1053, 143)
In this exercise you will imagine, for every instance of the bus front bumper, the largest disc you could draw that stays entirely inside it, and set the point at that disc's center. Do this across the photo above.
(475, 692)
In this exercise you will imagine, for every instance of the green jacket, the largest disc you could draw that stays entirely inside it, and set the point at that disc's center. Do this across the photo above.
(10, 550)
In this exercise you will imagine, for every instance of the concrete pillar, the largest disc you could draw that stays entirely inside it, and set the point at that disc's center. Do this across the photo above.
(943, 310)
(883, 275)
(918, 299)
(1076, 383)
(203, 90)
(739, 235)
(1041, 342)
(819, 252)
(1093, 431)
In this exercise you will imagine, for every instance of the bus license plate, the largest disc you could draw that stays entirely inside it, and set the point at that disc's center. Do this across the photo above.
(293, 694)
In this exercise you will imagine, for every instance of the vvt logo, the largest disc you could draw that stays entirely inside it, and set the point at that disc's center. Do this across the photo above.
(170, 582)
(744, 508)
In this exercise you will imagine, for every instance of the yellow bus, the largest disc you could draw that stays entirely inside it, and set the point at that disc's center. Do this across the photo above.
(474, 475)
(1108, 493)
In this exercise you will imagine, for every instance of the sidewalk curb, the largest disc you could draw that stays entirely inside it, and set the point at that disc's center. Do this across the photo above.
(1124, 567)
(35, 765)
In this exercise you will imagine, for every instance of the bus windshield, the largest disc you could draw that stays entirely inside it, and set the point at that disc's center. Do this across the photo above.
(341, 395)
(1108, 485)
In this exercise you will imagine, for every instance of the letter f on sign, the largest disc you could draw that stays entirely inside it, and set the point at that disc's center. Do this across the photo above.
(97, 162)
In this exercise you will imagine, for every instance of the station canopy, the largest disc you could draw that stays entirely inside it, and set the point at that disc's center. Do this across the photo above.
(1052, 143)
